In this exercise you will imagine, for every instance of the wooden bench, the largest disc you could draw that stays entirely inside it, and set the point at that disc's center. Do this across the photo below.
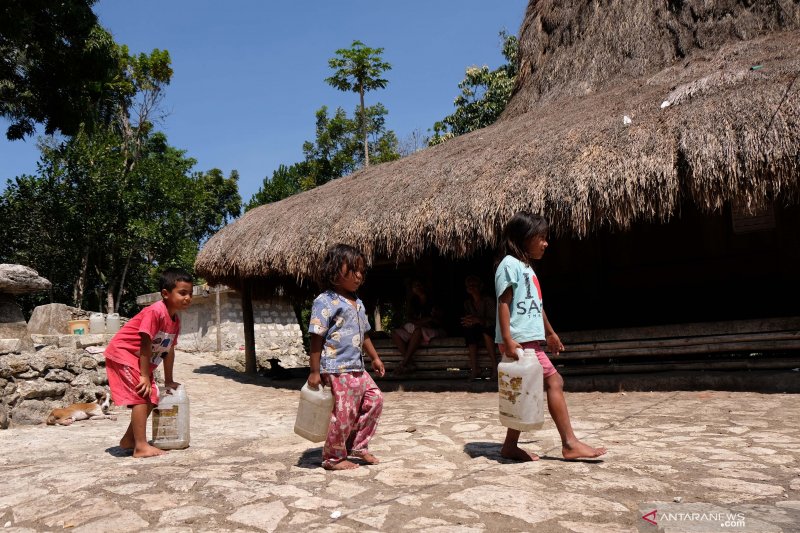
(733, 345)
(444, 357)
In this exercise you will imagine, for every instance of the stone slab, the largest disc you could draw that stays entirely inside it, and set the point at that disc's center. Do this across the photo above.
(50, 319)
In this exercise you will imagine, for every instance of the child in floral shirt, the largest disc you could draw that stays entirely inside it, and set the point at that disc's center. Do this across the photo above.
(339, 339)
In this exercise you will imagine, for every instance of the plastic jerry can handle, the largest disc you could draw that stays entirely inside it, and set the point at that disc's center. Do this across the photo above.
(318, 389)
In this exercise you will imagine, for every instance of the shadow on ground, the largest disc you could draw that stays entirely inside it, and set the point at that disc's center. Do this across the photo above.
(771, 382)
(561, 459)
(118, 451)
(311, 458)
(293, 379)
(491, 450)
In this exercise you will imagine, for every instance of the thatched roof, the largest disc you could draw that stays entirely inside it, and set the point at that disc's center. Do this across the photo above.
(731, 131)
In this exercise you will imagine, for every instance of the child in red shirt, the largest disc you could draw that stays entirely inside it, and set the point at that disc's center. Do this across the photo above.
(136, 351)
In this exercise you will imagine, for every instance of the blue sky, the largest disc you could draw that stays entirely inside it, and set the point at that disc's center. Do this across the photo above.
(249, 75)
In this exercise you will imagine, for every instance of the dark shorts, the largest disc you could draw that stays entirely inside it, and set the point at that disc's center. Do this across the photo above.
(474, 334)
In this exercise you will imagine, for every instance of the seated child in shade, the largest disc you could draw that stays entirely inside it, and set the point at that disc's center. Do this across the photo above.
(478, 323)
(423, 326)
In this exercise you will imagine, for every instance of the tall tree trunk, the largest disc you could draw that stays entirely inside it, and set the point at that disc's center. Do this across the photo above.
(80, 283)
(364, 128)
(121, 285)
(110, 299)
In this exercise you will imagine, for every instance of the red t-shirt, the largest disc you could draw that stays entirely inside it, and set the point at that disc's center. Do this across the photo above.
(156, 322)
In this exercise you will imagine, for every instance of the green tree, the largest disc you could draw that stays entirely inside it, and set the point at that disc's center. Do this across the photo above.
(359, 69)
(113, 201)
(384, 145)
(484, 96)
(284, 182)
(335, 152)
(138, 90)
(332, 154)
(99, 238)
(28, 207)
(342, 144)
(101, 162)
(116, 196)
(56, 67)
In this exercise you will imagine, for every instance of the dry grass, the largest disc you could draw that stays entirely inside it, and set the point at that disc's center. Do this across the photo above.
(731, 133)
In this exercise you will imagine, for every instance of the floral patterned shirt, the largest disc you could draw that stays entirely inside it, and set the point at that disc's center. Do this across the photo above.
(343, 326)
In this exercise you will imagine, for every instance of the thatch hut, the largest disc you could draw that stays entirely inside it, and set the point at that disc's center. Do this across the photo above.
(654, 135)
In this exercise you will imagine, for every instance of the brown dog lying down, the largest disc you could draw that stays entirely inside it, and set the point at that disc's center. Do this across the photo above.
(83, 411)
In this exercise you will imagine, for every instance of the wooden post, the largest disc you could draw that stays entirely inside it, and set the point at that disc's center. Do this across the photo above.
(218, 318)
(249, 329)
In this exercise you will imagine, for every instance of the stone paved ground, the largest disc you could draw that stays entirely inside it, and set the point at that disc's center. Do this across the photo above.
(441, 472)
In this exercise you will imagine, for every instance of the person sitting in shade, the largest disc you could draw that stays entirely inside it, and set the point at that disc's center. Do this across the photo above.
(424, 324)
(478, 323)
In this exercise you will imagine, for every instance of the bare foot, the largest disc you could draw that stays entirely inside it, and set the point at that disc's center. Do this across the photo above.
(341, 465)
(367, 457)
(127, 444)
(147, 451)
(579, 450)
(517, 454)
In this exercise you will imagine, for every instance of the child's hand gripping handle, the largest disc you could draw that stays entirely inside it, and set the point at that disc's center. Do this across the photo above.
(512, 355)
(317, 380)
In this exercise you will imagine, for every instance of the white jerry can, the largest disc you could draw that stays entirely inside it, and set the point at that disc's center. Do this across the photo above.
(171, 420)
(112, 323)
(314, 413)
(521, 387)
(97, 323)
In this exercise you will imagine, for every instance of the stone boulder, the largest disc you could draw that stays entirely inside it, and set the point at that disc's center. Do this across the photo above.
(50, 319)
(18, 279)
(32, 411)
(84, 394)
(58, 374)
(3, 417)
(8, 346)
(12, 365)
(41, 388)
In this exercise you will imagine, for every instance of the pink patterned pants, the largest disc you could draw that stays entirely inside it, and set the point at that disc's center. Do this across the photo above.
(354, 419)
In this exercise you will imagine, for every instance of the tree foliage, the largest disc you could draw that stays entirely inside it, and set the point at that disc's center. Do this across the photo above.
(359, 69)
(484, 95)
(335, 152)
(285, 182)
(56, 66)
(115, 202)
(342, 144)
(99, 234)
